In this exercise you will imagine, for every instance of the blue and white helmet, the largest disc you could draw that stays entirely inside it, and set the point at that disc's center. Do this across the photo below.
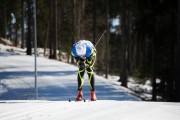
(80, 49)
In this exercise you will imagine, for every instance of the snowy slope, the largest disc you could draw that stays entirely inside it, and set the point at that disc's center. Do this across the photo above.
(99, 110)
(56, 80)
(57, 83)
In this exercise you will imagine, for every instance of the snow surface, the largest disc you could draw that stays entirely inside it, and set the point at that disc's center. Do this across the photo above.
(57, 84)
(99, 110)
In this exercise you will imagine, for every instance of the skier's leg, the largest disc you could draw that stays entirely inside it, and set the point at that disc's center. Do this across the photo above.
(91, 78)
(92, 82)
(91, 62)
(80, 78)
(80, 84)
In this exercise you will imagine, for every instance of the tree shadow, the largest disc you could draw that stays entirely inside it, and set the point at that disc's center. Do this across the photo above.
(62, 91)
(6, 54)
(12, 74)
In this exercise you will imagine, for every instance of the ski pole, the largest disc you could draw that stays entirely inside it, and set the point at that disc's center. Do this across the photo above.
(100, 38)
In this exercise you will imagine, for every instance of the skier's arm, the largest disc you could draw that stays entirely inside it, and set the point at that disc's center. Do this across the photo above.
(91, 60)
(80, 63)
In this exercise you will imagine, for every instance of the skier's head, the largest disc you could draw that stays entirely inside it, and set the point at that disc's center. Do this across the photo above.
(80, 49)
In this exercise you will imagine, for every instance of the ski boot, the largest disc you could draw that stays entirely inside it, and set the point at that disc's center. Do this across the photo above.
(80, 96)
(93, 96)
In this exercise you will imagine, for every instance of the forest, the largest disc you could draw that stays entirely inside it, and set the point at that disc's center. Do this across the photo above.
(142, 38)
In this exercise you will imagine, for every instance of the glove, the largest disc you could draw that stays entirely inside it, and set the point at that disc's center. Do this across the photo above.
(81, 64)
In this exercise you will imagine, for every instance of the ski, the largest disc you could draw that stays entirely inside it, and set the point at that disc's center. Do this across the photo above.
(84, 100)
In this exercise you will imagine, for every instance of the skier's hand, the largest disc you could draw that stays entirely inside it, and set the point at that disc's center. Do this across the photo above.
(81, 64)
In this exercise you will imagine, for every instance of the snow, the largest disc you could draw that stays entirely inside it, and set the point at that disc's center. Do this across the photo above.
(5, 41)
(99, 110)
(57, 84)
(141, 90)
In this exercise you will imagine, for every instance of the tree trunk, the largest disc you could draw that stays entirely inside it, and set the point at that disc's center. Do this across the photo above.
(177, 83)
(51, 31)
(16, 34)
(79, 21)
(129, 41)
(47, 33)
(22, 24)
(154, 39)
(5, 22)
(1, 24)
(153, 71)
(55, 31)
(123, 67)
(107, 40)
(94, 22)
(124, 39)
(123, 71)
(73, 33)
(29, 46)
(81, 7)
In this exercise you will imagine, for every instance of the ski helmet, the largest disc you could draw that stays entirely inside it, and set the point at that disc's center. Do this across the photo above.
(80, 49)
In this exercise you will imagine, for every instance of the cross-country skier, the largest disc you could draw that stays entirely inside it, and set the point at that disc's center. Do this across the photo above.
(85, 54)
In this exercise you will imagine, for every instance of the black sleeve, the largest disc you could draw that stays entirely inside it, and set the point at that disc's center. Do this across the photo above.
(79, 59)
